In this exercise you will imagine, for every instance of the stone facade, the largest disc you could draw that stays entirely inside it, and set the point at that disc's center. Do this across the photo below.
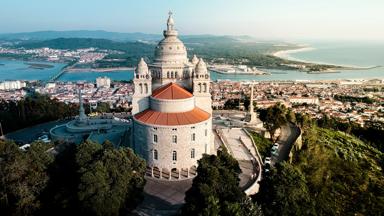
(189, 142)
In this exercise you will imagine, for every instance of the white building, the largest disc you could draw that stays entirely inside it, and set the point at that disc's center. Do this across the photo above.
(304, 100)
(50, 85)
(172, 111)
(103, 82)
(12, 85)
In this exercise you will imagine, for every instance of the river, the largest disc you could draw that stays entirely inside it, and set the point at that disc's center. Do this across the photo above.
(352, 54)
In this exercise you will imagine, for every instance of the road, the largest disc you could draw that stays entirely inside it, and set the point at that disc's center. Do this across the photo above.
(287, 138)
(27, 135)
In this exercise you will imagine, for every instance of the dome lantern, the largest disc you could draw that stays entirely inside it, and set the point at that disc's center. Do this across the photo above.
(170, 49)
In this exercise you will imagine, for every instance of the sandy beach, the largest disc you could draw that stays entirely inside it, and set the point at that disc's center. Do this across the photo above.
(285, 54)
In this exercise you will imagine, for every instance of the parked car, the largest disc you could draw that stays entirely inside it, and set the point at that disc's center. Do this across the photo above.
(276, 146)
(267, 160)
(44, 139)
(267, 164)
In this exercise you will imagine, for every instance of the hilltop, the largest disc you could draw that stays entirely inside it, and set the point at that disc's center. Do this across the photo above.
(334, 174)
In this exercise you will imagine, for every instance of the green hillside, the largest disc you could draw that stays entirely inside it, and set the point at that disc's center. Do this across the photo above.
(81, 43)
(334, 174)
(212, 48)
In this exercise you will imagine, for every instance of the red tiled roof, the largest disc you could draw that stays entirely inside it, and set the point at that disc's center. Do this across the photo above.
(171, 91)
(183, 118)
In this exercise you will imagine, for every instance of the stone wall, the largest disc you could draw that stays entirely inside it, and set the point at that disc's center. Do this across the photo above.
(145, 145)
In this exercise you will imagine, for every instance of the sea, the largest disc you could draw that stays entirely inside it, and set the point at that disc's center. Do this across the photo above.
(354, 54)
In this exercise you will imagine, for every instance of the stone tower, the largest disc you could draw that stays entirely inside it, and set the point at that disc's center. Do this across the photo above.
(201, 85)
(252, 114)
(142, 83)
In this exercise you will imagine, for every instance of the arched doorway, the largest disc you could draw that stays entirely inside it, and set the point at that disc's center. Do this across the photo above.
(193, 170)
(175, 174)
(156, 172)
(165, 173)
(184, 173)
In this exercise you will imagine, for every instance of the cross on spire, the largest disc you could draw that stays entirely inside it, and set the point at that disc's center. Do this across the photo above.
(170, 13)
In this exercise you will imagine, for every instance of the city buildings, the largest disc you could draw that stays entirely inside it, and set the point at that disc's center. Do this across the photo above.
(103, 82)
(12, 85)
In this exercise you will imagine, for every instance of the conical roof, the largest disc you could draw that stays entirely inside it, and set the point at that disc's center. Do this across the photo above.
(171, 91)
(201, 67)
(195, 60)
(142, 68)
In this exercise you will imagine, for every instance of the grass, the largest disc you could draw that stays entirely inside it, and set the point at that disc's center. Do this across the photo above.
(340, 169)
(264, 145)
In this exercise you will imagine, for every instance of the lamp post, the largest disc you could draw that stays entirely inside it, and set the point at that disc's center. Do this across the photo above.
(1, 131)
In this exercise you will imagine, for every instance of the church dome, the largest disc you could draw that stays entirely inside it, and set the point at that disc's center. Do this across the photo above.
(201, 67)
(142, 68)
(171, 49)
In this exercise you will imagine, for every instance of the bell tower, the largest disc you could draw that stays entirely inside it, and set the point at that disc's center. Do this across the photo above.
(201, 86)
(142, 83)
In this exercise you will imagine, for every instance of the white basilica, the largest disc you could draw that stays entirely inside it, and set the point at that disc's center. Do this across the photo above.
(172, 114)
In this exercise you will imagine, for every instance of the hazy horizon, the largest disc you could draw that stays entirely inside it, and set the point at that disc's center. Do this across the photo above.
(270, 20)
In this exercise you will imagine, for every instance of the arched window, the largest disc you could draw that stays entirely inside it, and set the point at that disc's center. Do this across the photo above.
(155, 138)
(146, 87)
(172, 74)
(193, 153)
(176, 75)
(199, 87)
(174, 139)
(206, 132)
(193, 137)
(168, 74)
(174, 156)
(155, 154)
(205, 87)
(141, 88)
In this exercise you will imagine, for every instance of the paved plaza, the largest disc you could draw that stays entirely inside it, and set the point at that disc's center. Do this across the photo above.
(242, 149)
(163, 197)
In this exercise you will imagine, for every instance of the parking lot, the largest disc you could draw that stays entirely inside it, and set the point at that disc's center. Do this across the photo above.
(28, 135)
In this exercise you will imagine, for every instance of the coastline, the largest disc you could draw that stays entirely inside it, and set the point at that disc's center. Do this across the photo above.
(98, 69)
(285, 54)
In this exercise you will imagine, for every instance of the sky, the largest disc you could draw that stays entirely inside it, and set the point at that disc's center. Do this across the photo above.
(264, 19)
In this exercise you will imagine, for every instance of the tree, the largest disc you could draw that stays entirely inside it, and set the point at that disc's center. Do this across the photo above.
(215, 190)
(32, 110)
(23, 177)
(273, 118)
(111, 180)
(291, 117)
(284, 192)
(94, 179)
